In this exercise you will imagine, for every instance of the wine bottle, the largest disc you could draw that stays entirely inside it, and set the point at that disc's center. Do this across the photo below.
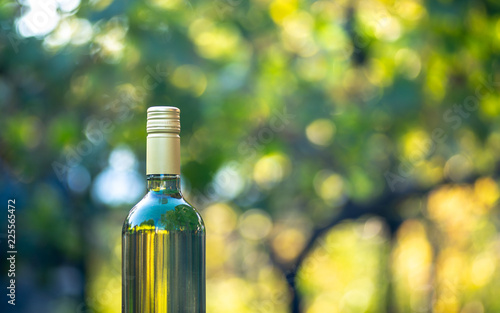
(163, 237)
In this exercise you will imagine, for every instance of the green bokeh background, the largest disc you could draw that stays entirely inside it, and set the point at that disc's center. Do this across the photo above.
(344, 154)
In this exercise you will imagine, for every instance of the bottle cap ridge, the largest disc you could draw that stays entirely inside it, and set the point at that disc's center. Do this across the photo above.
(163, 119)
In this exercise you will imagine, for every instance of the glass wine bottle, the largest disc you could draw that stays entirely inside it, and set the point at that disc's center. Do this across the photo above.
(163, 237)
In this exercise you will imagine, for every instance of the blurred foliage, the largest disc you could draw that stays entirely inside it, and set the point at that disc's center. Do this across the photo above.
(344, 154)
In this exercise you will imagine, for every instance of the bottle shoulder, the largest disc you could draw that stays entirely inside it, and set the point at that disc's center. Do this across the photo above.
(158, 211)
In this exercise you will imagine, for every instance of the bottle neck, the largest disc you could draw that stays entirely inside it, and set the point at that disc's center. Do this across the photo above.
(164, 183)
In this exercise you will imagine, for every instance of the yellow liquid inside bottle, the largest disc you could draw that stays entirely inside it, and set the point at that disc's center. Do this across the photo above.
(163, 261)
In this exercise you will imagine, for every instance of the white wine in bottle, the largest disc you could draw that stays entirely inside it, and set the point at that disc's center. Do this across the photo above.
(163, 237)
